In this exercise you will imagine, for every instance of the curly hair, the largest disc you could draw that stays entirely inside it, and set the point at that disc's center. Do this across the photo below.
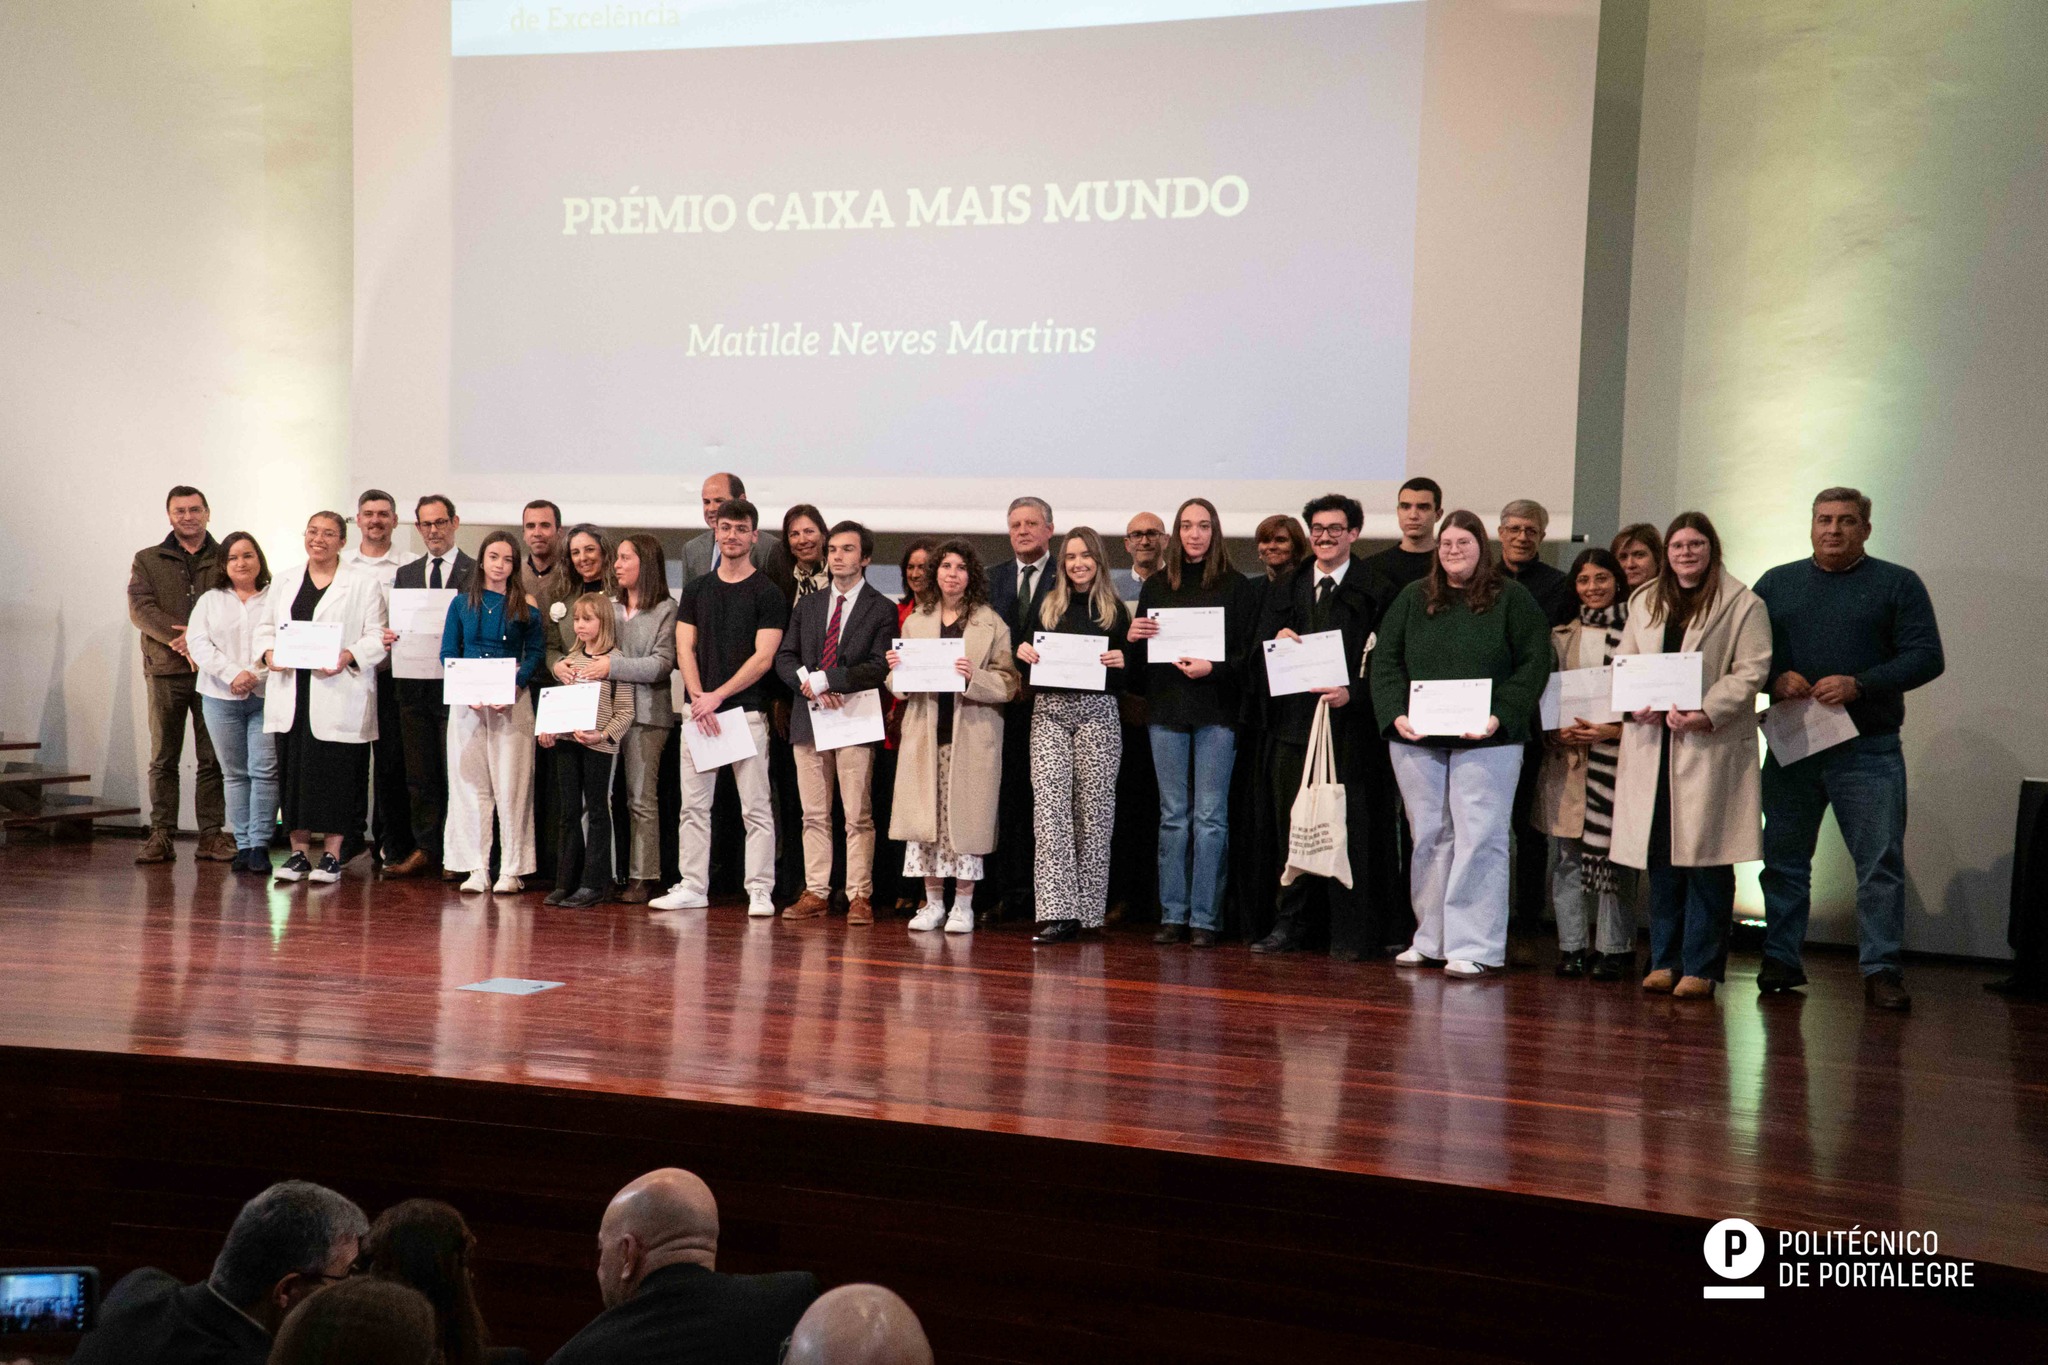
(976, 594)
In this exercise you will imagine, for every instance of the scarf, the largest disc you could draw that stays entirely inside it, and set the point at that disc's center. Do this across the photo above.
(1595, 871)
(810, 579)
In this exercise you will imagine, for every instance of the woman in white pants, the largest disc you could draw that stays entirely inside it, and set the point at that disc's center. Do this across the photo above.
(490, 748)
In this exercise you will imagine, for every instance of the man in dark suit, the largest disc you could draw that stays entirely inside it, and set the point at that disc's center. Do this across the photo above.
(422, 719)
(285, 1243)
(1016, 588)
(836, 644)
(1330, 592)
(664, 1298)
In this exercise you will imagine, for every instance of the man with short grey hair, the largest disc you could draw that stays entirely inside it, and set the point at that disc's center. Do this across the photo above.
(1016, 588)
(1523, 524)
(285, 1243)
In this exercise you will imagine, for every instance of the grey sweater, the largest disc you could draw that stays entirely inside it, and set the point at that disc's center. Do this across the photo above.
(645, 657)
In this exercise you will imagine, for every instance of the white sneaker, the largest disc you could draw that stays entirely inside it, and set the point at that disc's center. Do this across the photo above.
(1458, 966)
(508, 886)
(679, 897)
(960, 920)
(931, 917)
(477, 884)
(760, 907)
(1409, 957)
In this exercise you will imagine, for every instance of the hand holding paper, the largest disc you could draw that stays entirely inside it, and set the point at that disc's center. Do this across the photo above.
(1460, 707)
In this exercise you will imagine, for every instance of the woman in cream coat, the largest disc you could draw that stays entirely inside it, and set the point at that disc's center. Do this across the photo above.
(949, 767)
(328, 716)
(1691, 829)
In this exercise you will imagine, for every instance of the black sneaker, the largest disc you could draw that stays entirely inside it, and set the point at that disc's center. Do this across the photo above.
(328, 871)
(1776, 975)
(1886, 990)
(295, 868)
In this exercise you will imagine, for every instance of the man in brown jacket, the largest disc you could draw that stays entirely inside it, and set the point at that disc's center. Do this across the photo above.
(163, 584)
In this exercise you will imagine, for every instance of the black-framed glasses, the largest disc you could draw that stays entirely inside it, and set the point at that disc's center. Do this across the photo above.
(1327, 532)
(1144, 535)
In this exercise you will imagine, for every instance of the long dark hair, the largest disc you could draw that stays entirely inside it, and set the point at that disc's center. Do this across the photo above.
(1665, 592)
(515, 586)
(930, 548)
(653, 572)
(1601, 559)
(804, 509)
(227, 546)
(1482, 590)
(1217, 566)
(426, 1245)
(977, 577)
(604, 557)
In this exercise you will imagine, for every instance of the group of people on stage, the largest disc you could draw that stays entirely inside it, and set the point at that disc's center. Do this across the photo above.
(1043, 789)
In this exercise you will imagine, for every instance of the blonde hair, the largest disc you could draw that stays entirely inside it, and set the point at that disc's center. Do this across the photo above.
(598, 607)
(1104, 605)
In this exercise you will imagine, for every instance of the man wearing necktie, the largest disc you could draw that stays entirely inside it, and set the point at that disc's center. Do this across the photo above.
(422, 719)
(1016, 589)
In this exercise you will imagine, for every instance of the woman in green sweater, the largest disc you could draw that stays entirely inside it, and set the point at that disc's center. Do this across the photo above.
(1464, 621)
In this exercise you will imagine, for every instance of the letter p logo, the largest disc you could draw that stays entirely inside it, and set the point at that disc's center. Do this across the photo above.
(1734, 1248)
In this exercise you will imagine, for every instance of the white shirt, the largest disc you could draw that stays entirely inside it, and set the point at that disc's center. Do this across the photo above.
(1336, 579)
(1037, 570)
(447, 563)
(219, 636)
(385, 568)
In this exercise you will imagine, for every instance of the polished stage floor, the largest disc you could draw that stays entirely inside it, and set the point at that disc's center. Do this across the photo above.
(1802, 1111)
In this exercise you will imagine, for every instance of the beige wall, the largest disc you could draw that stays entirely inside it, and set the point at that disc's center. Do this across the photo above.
(174, 293)
(1839, 278)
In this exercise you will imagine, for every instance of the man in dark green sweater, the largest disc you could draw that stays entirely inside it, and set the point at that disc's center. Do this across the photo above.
(1853, 631)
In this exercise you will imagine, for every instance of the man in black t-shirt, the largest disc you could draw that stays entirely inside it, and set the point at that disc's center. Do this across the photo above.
(1416, 507)
(729, 624)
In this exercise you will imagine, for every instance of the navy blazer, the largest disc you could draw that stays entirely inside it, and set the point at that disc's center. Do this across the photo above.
(1002, 595)
(864, 638)
(456, 575)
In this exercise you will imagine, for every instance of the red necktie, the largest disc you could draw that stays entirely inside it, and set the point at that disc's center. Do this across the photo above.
(831, 654)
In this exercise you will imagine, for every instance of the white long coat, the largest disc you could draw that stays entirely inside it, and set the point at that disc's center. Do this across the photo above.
(345, 705)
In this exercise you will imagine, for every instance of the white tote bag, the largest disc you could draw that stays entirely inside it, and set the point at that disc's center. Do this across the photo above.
(1316, 840)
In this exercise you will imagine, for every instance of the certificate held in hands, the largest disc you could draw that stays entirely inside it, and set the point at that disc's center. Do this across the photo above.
(733, 742)
(1306, 664)
(1070, 661)
(1187, 633)
(1450, 706)
(307, 644)
(928, 666)
(479, 682)
(1578, 694)
(1657, 682)
(565, 710)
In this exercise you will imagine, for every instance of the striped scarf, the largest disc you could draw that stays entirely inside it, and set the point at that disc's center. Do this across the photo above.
(1595, 871)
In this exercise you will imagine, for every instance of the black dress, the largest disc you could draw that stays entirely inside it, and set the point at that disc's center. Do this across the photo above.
(326, 786)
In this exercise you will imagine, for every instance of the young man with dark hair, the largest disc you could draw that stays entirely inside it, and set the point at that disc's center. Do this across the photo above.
(547, 576)
(391, 838)
(422, 719)
(1417, 507)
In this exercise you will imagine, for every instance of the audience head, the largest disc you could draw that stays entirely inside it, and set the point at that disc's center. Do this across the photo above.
(957, 576)
(666, 1217)
(1597, 578)
(434, 518)
(1690, 581)
(639, 571)
(803, 531)
(1463, 568)
(916, 566)
(1416, 507)
(590, 555)
(497, 569)
(362, 1321)
(541, 524)
(1334, 521)
(1084, 573)
(1030, 527)
(1523, 524)
(326, 533)
(858, 1324)
(427, 1246)
(1145, 543)
(284, 1244)
(242, 562)
(376, 517)
(1197, 539)
(1841, 525)
(186, 507)
(1640, 552)
(848, 548)
(717, 491)
(736, 529)
(1282, 543)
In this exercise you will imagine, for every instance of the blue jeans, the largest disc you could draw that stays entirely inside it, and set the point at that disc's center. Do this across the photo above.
(1460, 803)
(1190, 895)
(1865, 781)
(1690, 911)
(248, 765)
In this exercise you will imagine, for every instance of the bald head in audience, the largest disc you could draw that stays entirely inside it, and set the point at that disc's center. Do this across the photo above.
(664, 1218)
(859, 1324)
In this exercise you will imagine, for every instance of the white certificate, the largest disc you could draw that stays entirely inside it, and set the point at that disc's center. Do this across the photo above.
(1186, 633)
(1070, 661)
(420, 611)
(1302, 665)
(479, 682)
(1656, 682)
(566, 709)
(1578, 694)
(1801, 729)
(417, 655)
(1450, 706)
(927, 666)
(307, 644)
(856, 720)
(733, 742)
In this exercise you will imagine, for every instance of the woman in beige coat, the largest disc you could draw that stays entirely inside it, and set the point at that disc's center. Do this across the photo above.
(1688, 794)
(949, 767)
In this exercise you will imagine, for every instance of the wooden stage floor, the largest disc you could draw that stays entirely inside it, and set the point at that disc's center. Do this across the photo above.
(1802, 1111)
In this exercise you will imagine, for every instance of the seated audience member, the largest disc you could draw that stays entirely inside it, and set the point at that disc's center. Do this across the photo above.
(1575, 790)
(858, 1324)
(664, 1300)
(359, 1322)
(221, 641)
(284, 1244)
(1639, 549)
(425, 1245)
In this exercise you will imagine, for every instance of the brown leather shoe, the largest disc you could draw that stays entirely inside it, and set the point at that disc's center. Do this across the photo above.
(808, 906)
(216, 846)
(639, 891)
(157, 848)
(1661, 980)
(1693, 988)
(1886, 990)
(859, 912)
(412, 864)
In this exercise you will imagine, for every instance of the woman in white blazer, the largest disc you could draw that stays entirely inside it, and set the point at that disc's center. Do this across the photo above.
(327, 716)
(221, 637)
(1688, 794)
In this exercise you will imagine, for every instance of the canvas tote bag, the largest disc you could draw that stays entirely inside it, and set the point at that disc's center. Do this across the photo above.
(1316, 845)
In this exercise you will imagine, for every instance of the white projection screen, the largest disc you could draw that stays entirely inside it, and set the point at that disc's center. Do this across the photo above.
(908, 259)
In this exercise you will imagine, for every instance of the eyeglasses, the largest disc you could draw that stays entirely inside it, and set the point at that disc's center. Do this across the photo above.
(1144, 535)
(1326, 532)
(441, 524)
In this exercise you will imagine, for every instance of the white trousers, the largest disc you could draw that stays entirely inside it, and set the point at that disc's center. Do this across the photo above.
(1459, 802)
(757, 810)
(490, 772)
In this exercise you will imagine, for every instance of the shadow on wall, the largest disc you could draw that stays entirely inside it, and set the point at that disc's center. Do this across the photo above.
(1966, 802)
(53, 732)
(120, 768)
